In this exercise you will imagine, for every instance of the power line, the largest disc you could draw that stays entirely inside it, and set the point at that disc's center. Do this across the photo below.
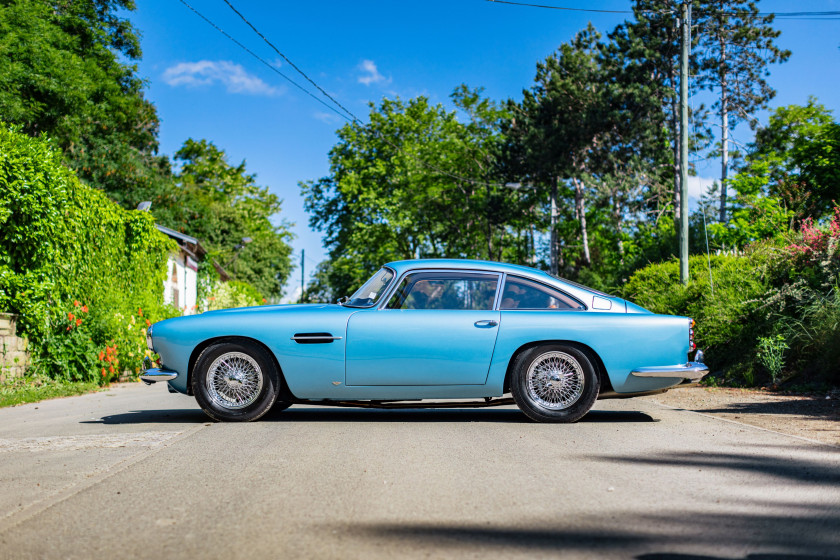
(829, 15)
(268, 64)
(292, 64)
(354, 117)
(564, 8)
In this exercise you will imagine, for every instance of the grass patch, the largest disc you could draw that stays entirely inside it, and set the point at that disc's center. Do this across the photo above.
(34, 389)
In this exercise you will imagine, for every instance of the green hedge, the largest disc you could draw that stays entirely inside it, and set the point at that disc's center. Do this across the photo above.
(63, 242)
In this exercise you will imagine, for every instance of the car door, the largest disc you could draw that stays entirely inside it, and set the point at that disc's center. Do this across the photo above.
(437, 328)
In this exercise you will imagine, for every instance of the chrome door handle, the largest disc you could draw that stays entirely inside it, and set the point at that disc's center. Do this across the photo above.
(486, 324)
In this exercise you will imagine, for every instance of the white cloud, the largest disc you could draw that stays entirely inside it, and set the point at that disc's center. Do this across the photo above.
(697, 186)
(371, 74)
(329, 118)
(207, 72)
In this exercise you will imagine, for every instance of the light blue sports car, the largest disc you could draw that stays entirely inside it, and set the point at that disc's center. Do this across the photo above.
(429, 330)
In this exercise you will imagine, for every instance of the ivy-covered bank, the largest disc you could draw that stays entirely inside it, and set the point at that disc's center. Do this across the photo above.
(84, 275)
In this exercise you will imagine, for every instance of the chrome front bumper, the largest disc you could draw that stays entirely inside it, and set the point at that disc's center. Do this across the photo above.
(154, 375)
(693, 371)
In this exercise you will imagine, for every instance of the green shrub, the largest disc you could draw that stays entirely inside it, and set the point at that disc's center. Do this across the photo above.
(776, 305)
(232, 294)
(726, 308)
(62, 241)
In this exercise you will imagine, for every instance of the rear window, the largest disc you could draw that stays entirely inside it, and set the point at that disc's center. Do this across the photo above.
(520, 293)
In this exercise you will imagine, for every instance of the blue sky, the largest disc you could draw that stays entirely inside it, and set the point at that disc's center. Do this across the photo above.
(204, 86)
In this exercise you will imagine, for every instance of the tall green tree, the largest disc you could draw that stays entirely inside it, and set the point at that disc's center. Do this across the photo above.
(417, 181)
(647, 51)
(737, 44)
(221, 204)
(798, 152)
(62, 73)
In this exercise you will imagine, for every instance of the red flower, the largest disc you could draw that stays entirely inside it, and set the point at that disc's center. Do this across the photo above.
(70, 316)
(69, 327)
(76, 303)
(78, 322)
(101, 355)
(84, 309)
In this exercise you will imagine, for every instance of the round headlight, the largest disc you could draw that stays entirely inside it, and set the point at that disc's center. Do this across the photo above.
(149, 344)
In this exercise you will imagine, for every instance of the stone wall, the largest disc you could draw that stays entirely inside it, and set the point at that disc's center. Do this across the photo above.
(14, 350)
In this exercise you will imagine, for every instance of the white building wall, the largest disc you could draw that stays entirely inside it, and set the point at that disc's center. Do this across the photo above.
(180, 284)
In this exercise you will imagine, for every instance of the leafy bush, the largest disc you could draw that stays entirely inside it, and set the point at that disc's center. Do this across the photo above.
(232, 294)
(62, 241)
(776, 305)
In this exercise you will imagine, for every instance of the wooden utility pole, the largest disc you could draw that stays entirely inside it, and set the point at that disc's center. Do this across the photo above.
(685, 22)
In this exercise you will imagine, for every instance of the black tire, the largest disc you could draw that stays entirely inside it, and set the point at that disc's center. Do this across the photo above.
(235, 381)
(280, 405)
(554, 383)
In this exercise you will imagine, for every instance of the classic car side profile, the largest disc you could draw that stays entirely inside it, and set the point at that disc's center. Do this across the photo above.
(425, 330)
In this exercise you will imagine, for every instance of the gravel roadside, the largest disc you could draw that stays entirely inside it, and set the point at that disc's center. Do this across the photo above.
(815, 417)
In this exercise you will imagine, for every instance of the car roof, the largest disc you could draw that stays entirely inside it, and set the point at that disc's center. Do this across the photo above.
(467, 264)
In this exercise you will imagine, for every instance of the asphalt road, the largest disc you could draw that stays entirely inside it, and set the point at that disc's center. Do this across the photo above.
(136, 472)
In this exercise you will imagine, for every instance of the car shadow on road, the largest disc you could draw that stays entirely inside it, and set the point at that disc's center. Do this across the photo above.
(431, 415)
(169, 416)
(335, 414)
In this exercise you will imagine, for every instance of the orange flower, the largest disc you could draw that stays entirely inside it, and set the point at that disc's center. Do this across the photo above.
(78, 322)
(70, 316)
(101, 355)
(111, 369)
(68, 327)
(84, 309)
(103, 372)
(148, 323)
(140, 311)
(265, 300)
(76, 303)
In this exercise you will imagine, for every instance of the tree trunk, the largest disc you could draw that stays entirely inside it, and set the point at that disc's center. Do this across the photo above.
(619, 227)
(553, 250)
(724, 135)
(580, 211)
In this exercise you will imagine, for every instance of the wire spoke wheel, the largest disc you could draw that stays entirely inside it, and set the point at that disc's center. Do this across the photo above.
(555, 380)
(234, 380)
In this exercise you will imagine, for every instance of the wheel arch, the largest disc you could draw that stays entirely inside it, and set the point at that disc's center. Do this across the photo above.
(603, 377)
(219, 339)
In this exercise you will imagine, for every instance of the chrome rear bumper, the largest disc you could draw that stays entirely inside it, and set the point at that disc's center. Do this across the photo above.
(693, 371)
(154, 375)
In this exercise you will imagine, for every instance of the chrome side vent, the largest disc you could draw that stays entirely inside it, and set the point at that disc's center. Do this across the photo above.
(315, 338)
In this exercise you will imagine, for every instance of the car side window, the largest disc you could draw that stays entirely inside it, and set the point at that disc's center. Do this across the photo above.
(445, 290)
(520, 293)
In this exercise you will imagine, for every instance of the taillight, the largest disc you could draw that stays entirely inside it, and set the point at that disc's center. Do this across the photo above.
(691, 345)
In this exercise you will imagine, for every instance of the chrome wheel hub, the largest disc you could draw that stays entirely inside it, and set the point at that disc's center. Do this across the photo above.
(234, 380)
(555, 380)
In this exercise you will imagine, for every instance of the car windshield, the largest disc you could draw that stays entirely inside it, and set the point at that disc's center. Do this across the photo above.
(372, 290)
